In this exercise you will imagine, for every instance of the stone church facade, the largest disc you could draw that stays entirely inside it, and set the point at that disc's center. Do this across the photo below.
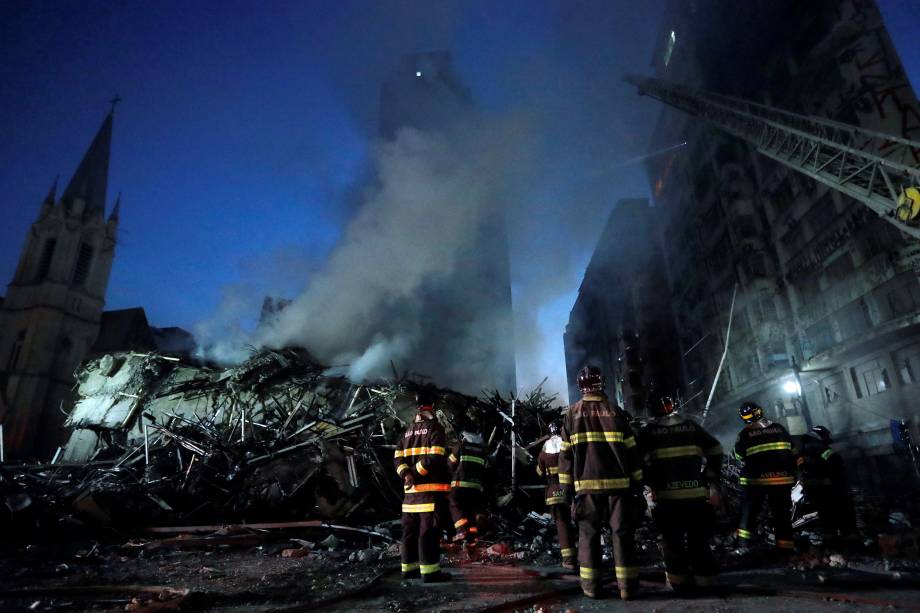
(50, 317)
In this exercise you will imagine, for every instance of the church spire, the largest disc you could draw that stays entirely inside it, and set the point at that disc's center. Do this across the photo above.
(116, 210)
(52, 193)
(91, 179)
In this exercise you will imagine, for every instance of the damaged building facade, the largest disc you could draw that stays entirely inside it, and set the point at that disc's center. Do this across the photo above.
(823, 284)
(619, 322)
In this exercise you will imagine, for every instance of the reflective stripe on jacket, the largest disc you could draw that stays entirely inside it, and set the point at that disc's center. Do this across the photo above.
(468, 461)
(548, 468)
(599, 452)
(422, 452)
(674, 450)
(766, 454)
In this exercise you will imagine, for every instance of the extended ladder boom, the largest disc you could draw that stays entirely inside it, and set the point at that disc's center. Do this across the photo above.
(879, 170)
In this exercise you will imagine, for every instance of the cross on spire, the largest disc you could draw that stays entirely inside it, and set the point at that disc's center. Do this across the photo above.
(114, 101)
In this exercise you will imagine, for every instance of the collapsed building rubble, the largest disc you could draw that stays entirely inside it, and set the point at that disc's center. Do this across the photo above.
(210, 473)
(153, 438)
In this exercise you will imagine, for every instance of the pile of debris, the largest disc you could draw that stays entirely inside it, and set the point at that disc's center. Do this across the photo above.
(154, 439)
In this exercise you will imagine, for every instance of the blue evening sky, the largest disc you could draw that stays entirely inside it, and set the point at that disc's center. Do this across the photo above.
(245, 128)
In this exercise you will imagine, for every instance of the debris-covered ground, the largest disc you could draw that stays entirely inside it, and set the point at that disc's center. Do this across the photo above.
(270, 487)
(296, 569)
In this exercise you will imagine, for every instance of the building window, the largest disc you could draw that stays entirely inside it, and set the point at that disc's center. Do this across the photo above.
(856, 386)
(820, 336)
(783, 197)
(901, 301)
(840, 269)
(84, 260)
(792, 236)
(877, 381)
(875, 242)
(907, 372)
(821, 214)
(44, 265)
(854, 318)
(672, 40)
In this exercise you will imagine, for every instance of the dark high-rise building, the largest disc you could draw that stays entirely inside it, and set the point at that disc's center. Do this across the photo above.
(621, 319)
(821, 279)
(423, 92)
(467, 330)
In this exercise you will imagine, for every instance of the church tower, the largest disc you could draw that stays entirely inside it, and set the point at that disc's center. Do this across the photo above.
(50, 316)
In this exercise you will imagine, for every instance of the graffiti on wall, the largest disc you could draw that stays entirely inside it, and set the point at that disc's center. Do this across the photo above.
(878, 89)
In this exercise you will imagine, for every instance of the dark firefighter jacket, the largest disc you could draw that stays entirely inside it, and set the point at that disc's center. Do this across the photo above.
(548, 467)
(674, 450)
(818, 463)
(422, 451)
(468, 459)
(765, 450)
(598, 453)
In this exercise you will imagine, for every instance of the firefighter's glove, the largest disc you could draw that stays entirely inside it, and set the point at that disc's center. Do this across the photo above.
(409, 481)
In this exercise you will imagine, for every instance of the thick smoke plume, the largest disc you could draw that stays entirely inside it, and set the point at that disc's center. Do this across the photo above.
(555, 177)
(417, 223)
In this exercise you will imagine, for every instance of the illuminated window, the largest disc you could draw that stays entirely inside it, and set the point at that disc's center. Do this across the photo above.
(667, 53)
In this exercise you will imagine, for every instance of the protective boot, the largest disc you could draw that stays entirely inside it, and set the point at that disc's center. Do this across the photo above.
(438, 577)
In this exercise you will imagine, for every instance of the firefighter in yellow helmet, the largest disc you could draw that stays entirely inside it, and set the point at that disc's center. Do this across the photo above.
(767, 458)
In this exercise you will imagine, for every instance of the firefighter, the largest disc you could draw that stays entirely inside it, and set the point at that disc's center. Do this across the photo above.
(557, 499)
(421, 462)
(822, 475)
(767, 474)
(682, 466)
(599, 459)
(468, 461)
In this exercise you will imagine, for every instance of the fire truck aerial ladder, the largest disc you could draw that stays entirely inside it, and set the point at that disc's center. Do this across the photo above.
(878, 170)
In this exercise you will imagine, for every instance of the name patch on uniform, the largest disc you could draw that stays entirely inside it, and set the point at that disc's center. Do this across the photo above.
(679, 485)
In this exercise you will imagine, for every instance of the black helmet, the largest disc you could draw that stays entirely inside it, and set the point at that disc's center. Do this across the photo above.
(665, 407)
(822, 433)
(590, 380)
(425, 397)
(555, 426)
(750, 411)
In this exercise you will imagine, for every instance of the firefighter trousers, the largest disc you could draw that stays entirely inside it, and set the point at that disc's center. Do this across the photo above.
(779, 501)
(592, 512)
(562, 515)
(465, 504)
(420, 543)
(686, 528)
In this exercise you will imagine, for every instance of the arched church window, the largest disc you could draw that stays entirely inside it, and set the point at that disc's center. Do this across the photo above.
(44, 264)
(84, 261)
